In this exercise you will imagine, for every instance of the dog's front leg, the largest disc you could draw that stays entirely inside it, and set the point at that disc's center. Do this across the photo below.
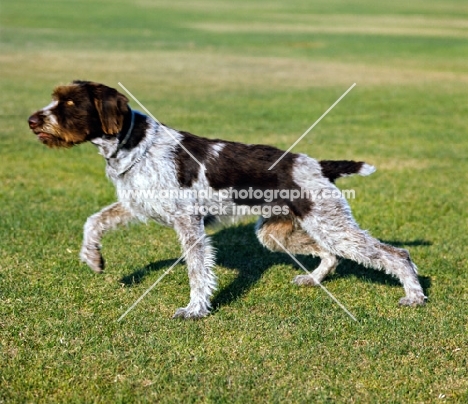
(199, 257)
(107, 219)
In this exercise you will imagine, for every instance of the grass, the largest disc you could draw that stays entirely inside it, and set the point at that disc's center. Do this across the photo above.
(251, 71)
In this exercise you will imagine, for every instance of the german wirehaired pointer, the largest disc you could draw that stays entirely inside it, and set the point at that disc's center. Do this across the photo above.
(144, 155)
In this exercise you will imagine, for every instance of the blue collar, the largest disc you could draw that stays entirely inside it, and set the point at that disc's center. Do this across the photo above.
(127, 135)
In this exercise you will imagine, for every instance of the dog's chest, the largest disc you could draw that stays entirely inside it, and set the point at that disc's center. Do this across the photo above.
(143, 188)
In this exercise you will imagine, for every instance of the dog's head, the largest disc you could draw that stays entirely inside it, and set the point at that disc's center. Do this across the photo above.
(79, 112)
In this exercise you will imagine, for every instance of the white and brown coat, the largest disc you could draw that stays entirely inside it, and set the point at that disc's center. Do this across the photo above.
(142, 154)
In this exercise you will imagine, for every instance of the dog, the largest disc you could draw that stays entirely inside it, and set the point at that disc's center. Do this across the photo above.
(144, 155)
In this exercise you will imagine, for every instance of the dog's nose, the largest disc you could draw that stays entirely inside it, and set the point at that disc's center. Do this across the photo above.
(33, 121)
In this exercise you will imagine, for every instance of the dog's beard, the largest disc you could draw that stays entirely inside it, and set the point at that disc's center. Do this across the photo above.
(59, 140)
(53, 141)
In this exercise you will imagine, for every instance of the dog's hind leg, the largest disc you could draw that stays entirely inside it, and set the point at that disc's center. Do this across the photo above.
(199, 256)
(332, 226)
(107, 219)
(328, 264)
(286, 231)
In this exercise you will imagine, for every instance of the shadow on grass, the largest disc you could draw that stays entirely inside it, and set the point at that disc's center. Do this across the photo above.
(404, 244)
(237, 248)
(138, 276)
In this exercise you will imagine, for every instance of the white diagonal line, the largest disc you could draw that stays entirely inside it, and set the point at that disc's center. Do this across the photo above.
(162, 126)
(158, 280)
(312, 127)
(323, 287)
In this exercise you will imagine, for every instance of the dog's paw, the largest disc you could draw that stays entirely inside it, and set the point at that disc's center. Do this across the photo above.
(305, 280)
(191, 312)
(93, 258)
(413, 301)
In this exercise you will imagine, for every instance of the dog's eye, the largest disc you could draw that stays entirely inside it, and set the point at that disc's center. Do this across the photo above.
(69, 103)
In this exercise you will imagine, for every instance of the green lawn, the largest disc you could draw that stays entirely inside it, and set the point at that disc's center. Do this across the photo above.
(254, 71)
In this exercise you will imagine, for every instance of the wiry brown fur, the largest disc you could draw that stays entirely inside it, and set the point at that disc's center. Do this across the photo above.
(143, 155)
(284, 232)
(83, 110)
(288, 232)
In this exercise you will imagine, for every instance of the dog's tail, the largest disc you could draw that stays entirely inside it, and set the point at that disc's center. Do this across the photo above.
(334, 169)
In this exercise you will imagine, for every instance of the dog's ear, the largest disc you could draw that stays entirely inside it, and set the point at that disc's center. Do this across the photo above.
(111, 107)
